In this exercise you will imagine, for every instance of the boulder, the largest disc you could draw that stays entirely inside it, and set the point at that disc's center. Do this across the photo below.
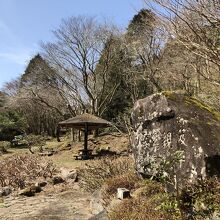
(57, 180)
(5, 191)
(96, 203)
(30, 191)
(103, 215)
(176, 136)
(68, 174)
(41, 184)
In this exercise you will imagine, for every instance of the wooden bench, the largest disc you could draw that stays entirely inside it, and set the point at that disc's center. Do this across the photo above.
(78, 157)
(82, 156)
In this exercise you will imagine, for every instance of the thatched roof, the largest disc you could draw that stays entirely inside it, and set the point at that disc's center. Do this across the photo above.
(79, 122)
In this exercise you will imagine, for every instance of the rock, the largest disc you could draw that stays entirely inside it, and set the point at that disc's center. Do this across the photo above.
(57, 180)
(171, 126)
(123, 193)
(5, 191)
(30, 191)
(95, 203)
(100, 216)
(72, 176)
(67, 174)
(41, 184)
(216, 216)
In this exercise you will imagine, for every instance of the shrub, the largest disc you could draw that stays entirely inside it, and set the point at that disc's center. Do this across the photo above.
(19, 171)
(202, 199)
(11, 123)
(95, 173)
(4, 145)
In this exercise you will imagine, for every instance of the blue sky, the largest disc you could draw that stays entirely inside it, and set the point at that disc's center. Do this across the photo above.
(24, 23)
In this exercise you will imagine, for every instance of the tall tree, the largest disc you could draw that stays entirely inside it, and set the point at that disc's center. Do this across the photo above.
(36, 97)
(194, 26)
(75, 55)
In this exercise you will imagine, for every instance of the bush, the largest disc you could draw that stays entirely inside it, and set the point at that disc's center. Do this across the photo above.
(4, 145)
(202, 199)
(11, 123)
(94, 175)
(19, 171)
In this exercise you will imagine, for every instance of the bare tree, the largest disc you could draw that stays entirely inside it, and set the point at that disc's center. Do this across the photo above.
(195, 25)
(144, 43)
(79, 44)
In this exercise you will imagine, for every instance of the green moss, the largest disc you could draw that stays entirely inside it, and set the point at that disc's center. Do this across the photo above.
(173, 95)
(169, 94)
(201, 105)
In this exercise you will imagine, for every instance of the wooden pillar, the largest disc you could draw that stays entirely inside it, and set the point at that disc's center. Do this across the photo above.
(58, 133)
(86, 137)
(72, 135)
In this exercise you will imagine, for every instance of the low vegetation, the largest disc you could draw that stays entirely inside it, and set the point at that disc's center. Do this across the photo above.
(144, 204)
(4, 145)
(110, 186)
(95, 173)
(19, 171)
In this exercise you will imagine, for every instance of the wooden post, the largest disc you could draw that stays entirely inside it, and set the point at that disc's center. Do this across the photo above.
(72, 135)
(86, 137)
(58, 133)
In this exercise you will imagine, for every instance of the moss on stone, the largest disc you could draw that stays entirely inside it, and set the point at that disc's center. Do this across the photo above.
(169, 94)
(193, 101)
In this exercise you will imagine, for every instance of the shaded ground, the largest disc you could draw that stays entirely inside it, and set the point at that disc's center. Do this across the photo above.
(71, 204)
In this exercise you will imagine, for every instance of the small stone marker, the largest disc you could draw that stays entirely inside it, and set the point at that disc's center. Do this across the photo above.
(123, 193)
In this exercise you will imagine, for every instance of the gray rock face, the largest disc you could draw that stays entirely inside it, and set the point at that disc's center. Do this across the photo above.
(174, 127)
(95, 203)
(5, 191)
(69, 175)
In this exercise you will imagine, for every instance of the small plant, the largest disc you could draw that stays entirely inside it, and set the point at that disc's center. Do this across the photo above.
(170, 205)
(4, 145)
(35, 141)
(94, 175)
(202, 199)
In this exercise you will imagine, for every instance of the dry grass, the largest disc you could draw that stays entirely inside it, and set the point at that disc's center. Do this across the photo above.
(137, 209)
(18, 171)
(94, 175)
(144, 204)
(109, 189)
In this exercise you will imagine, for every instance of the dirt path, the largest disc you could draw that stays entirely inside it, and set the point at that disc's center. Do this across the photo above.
(71, 204)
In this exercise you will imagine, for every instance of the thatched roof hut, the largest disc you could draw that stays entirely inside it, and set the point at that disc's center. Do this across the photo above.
(79, 122)
(85, 122)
